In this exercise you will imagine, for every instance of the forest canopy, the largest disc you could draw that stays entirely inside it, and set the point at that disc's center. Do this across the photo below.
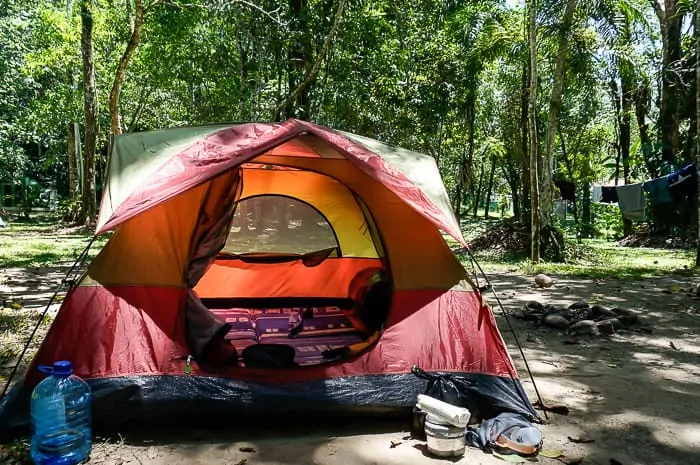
(510, 97)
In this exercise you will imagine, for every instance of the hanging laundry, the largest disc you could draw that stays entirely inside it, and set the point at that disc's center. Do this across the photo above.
(632, 202)
(684, 182)
(597, 193)
(658, 190)
(609, 194)
(566, 189)
(560, 209)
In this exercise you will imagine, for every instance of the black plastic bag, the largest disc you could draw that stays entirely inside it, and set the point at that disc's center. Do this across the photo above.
(451, 389)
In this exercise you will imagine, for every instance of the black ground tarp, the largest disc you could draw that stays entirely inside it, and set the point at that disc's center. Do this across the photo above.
(203, 401)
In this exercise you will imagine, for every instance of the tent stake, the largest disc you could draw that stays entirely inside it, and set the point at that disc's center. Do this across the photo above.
(80, 259)
(512, 330)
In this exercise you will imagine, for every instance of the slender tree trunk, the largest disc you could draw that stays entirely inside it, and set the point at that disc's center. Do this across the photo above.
(524, 208)
(470, 116)
(532, 119)
(642, 101)
(300, 93)
(555, 103)
(477, 192)
(73, 179)
(670, 23)
(626, 137)
(570, 176)
(489, 186)
(88, 206)
(697, 114)
(114, 119)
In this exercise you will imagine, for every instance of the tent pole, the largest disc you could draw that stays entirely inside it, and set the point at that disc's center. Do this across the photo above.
(512, 330)
(80, 259)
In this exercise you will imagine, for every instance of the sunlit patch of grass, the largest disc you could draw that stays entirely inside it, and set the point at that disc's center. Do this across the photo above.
(593, 258)
(39, 244)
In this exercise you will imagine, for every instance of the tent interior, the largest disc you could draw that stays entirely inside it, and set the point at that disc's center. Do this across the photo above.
(301, 278)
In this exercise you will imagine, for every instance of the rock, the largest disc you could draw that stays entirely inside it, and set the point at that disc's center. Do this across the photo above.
(542, 280)
(584, 327)
(696, 292)
(555, 320)
(533, 305)
(578, 305)
(598, 311)
(605, 327)
(627, 317)
(617, 324)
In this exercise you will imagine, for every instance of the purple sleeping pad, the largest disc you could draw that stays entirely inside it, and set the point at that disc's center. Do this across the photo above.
(242, 325)
(322, 328)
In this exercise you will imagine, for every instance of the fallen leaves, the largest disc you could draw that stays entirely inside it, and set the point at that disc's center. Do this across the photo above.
(551, 453)
(580, 440)
(673, 346)
(247, 449)
(394, 444)
(510, 458)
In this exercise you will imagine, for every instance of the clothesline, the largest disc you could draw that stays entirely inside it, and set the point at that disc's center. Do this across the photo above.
(669, 189)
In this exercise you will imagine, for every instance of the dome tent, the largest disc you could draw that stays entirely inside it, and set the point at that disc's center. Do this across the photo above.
(210, 244)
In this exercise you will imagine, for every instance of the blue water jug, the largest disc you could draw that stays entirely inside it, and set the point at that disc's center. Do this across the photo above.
(61, 417)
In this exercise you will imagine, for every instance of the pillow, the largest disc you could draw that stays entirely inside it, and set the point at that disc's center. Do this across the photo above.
(321, 324)
(242, 325)
(272, 326)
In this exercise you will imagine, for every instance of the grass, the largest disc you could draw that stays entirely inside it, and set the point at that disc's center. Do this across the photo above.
(42, 243)
(593, 258)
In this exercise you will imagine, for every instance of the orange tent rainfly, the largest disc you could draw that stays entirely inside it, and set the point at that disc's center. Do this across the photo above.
(280, 266)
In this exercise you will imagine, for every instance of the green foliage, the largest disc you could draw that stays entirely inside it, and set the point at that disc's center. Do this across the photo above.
(607, 221)
(411, 74)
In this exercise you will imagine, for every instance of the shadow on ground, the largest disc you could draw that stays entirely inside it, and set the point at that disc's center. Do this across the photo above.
(635, 394)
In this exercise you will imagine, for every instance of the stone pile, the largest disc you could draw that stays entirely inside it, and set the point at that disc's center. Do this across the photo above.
(580, 318)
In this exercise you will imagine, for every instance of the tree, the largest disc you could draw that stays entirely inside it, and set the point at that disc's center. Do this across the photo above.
(135, 26)
(532, 125)
(88, 205)
(549, 237)
(670, 20)
(697, 114)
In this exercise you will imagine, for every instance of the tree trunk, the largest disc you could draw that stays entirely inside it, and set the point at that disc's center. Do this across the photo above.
(459, 189)
(88, 206)
(299, 93)
(626, 135)
(697, 115)
(670, 23)
(477, 193)
(114, 119)
(524, 208)
(532, 119)
(489, 187)
(73, 179)
(546, 203)
(470, 116)
(642, 101)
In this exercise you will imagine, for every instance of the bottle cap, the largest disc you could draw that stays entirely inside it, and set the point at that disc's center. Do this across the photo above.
(60, 368)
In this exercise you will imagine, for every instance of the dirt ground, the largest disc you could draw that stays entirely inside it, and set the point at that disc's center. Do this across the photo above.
(635, 395)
